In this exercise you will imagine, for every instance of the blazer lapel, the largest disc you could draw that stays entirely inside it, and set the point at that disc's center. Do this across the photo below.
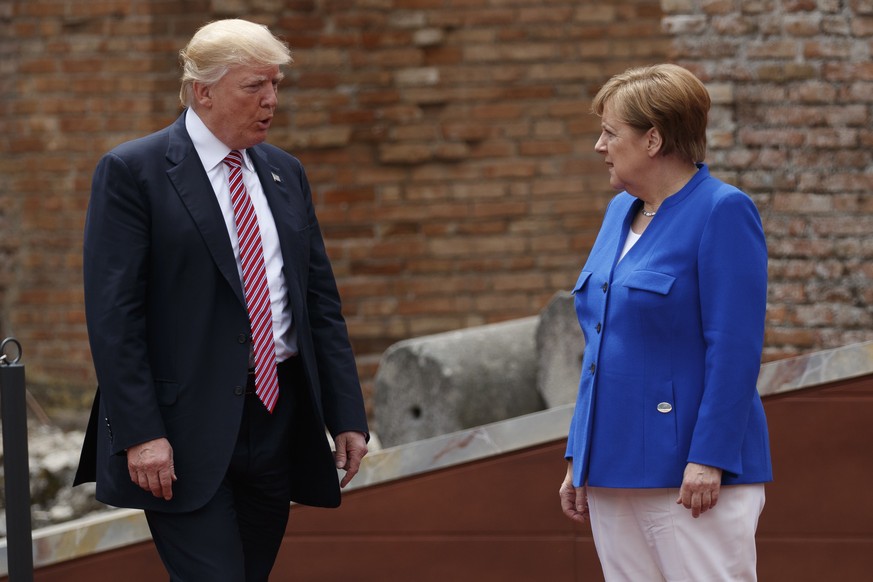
(193, 186)
(279, 190)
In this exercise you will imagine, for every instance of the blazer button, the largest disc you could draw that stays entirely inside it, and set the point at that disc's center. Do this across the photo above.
(239, 390)
(605, 286)
(592, 368)
(242, 338)
(664, 407)
(598, 327)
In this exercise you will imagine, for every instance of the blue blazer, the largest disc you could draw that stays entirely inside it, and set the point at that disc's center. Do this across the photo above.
(169, 330)
(674, 333)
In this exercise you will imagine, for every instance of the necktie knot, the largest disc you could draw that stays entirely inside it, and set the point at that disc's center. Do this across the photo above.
(234, 159)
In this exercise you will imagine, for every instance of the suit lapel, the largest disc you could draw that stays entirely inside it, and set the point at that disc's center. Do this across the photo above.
(193, 186)
(278, 192)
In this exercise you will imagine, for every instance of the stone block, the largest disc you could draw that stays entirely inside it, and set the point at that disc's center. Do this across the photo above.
(442, 383)
(559, 351)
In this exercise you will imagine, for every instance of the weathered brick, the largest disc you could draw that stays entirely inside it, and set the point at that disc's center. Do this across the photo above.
(596, 14)
(734, 25)
(837, 25)
(684, 24)
(828, 49)
(677, 6)
(832, 138)
(787, 72)
(800, 5)
(774, 49)
(862, 26)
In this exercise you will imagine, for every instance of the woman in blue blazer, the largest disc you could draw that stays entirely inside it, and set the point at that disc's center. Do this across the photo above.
(668, 422)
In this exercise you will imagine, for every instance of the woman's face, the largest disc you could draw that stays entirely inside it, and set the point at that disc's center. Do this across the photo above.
(625, 150)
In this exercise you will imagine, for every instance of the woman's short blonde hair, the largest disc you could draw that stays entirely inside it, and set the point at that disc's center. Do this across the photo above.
(222, 44)
(666, 97)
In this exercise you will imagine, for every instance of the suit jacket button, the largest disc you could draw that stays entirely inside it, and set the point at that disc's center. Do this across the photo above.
(239, 390)
(592, 368)
(598, 327)
(242, 338)
(605, 287)
(664, 407)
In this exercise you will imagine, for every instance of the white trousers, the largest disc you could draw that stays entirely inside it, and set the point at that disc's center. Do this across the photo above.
(643, 535)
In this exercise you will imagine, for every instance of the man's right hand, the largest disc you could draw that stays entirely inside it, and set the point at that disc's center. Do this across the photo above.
(150, 465)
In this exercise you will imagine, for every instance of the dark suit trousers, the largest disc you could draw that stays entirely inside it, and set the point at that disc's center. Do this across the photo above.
(236, 536)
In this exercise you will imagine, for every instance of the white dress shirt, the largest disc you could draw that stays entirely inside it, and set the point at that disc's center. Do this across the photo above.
(212, 153)
(629, 242)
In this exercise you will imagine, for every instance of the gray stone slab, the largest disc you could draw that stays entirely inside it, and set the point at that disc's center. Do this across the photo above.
(559, 351)
(446, 382)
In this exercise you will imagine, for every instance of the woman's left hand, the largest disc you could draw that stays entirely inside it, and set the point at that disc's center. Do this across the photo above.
(574, 500)
(700, 487)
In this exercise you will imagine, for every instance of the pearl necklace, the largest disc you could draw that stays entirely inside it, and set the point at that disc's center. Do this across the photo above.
(648, 214)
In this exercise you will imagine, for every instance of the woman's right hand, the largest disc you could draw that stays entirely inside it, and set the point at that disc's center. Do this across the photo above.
(574, 500)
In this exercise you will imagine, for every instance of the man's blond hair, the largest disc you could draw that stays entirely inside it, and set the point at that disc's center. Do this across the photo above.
(223, 44)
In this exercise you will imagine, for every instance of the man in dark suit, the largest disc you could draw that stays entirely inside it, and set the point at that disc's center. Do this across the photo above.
(215, 324)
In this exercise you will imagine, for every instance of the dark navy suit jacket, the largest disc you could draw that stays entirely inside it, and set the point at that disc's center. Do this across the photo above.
(169, 330)
(674, 333)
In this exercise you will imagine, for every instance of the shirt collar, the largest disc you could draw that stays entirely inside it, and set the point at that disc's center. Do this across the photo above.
(211, 150)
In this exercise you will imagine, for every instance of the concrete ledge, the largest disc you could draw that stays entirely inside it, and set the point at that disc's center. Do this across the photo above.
(84, 536)
(816, 368)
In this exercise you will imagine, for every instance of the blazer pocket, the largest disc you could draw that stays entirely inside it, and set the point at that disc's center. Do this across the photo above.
(580, 282)
(662, 424)
(652, 281)
(167, 392)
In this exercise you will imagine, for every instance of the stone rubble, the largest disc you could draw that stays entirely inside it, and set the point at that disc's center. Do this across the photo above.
(53, 456)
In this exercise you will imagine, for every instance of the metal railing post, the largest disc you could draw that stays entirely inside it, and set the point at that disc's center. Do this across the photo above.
(13, 409)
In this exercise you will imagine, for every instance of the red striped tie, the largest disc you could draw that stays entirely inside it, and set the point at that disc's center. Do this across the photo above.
(255, 283)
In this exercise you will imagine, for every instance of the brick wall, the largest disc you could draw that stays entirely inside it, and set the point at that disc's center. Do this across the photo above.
(450, 149)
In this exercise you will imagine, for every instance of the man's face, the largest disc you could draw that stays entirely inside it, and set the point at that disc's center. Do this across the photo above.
(238, 109)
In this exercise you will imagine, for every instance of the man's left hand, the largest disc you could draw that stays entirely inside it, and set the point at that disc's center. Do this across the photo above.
(350, 449)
